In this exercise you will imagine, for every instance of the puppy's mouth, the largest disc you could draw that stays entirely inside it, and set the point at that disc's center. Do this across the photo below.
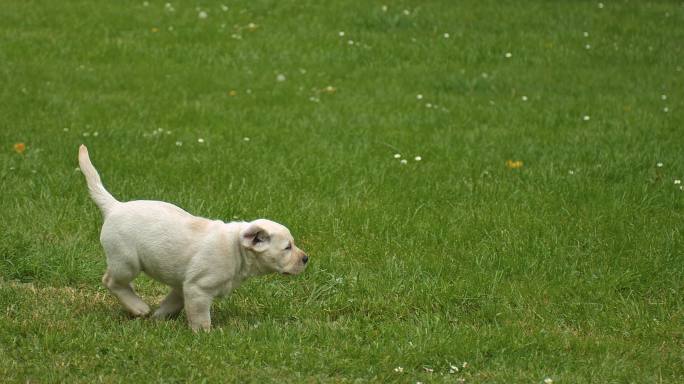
(290, 273)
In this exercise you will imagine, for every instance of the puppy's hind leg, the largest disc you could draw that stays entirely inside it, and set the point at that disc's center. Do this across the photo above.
(119, 284)
(171, 305)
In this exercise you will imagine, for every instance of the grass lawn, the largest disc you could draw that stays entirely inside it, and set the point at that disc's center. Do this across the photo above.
(539, 238)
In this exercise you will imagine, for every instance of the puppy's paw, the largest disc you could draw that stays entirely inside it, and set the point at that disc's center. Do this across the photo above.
(163, 314)
(200, 327)
(159, 315)
(139, 309)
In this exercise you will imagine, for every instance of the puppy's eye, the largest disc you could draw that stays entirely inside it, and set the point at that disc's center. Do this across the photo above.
(289, 246)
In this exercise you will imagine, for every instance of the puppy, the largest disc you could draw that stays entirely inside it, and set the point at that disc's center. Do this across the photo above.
(198, 258)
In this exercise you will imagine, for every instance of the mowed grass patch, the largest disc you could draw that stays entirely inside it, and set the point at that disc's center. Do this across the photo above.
(568, 267)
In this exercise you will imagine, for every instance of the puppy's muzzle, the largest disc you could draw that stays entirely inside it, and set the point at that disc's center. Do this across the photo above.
(305, 259)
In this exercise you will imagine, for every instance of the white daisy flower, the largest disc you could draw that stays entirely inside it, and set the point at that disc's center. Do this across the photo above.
(202, 15)
(600, 5)
(403, 161)
(407, 12)
(200, 140)
(446, 35)
(508, 55)
(280, 78)
(399, 369)
(384, 8)
(666, 109)
(224, 8)
(588, 46)
(341, 33)
(419, 96)
(663, 97)
(179, 143)
(397, 156)
(677, 182)
(418, 158)
(524, 98)
(245, 138)
(586, 118)
(659, 165)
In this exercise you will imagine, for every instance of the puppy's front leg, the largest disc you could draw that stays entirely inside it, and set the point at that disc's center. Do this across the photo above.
(197, 305)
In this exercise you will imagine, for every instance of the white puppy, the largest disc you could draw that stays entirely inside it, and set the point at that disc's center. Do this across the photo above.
(198, 258)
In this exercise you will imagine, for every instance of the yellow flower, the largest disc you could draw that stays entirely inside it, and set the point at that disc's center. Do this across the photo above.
(155, 30)
(232, 92)
(514, 164)
(19, 147)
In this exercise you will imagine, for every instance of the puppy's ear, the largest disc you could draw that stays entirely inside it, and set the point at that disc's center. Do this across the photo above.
(254, 237)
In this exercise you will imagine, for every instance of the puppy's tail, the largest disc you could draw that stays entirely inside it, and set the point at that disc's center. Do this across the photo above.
(104, 200)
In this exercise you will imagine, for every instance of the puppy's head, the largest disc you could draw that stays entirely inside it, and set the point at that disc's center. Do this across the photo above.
(273, 247)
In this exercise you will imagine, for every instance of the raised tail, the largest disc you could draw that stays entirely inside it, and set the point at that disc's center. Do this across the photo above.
(104, 200)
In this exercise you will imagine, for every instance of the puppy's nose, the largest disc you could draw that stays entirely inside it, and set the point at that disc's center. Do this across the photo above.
(305, 259)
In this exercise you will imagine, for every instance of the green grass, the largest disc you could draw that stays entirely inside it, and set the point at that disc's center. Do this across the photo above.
(570, 268)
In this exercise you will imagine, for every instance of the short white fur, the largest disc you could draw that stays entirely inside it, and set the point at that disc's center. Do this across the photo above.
(198, 258)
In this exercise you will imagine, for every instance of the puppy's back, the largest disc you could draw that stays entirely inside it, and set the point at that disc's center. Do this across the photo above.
(159, 236)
